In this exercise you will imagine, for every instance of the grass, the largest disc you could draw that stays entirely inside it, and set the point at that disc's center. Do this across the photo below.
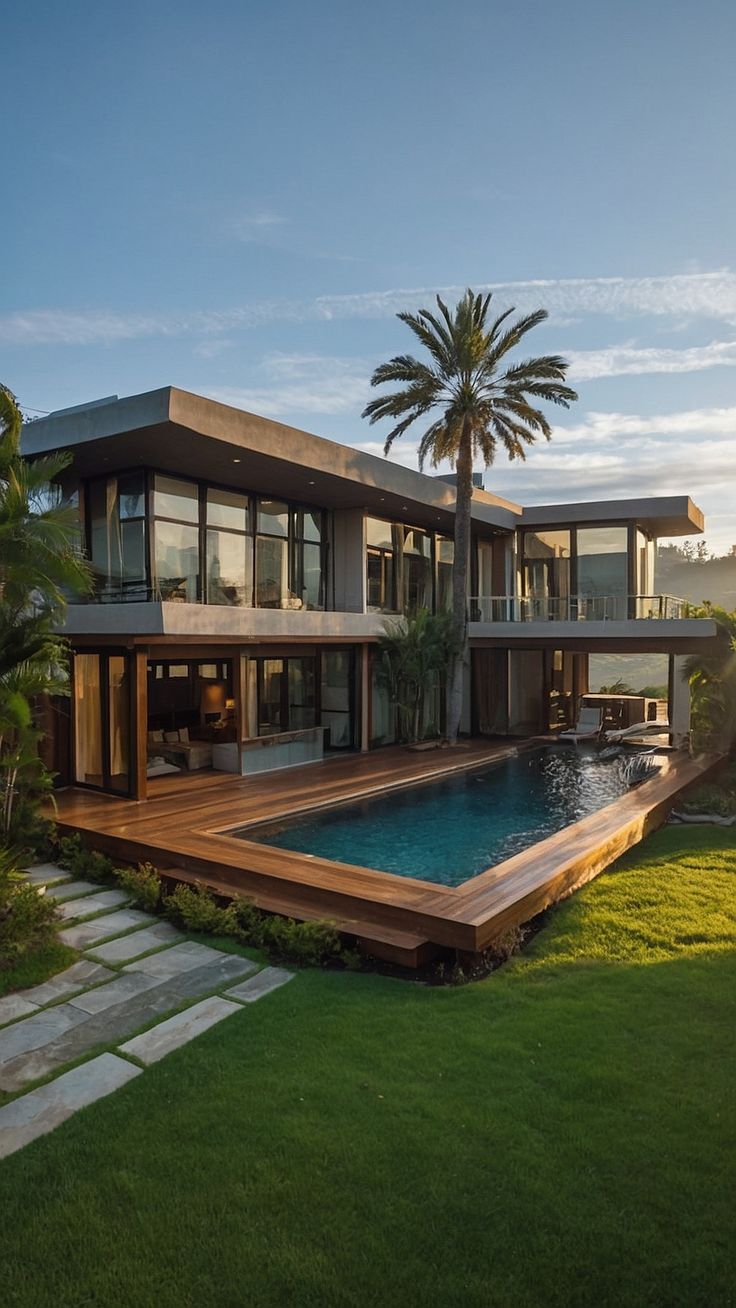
(558, 1134)
(37, 966)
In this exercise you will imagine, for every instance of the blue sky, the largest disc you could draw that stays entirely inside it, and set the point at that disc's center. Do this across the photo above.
(237, 199)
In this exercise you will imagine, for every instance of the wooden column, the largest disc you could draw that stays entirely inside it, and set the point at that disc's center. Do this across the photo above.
(139, 718)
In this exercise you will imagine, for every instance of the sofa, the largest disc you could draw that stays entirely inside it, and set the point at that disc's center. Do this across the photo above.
(176, 747)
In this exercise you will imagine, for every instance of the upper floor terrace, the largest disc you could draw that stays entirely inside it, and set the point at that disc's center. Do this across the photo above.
(203, 519)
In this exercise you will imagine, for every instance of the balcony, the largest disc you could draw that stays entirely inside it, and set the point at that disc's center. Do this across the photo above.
(576, 608)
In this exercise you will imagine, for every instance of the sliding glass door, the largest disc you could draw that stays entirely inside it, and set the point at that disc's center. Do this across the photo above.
(102, 721)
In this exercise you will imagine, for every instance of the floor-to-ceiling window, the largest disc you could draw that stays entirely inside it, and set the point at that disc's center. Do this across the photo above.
(282, 694)
(229, 548)
(102, 717)
(382, 565)
(337, 696)
(176, 539)
(417, 570)
(602, 572)
(307, 564)
(272, 555)
(116, 516)
(546, 564)
(445, 556)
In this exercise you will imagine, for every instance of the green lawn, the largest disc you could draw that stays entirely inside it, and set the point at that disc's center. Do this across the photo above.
(559, 1134)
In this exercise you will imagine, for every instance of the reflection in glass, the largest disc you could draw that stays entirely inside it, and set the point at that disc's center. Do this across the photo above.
(602, 564)
(269, 698)
(417, 570)
(87, 720)
(445, 556)
(273, 518)
(173, 498)
(227, 509)
(272, 572)
(118, 722)
(176, 561)
(229, 568)
(301, 686)
(336, 697)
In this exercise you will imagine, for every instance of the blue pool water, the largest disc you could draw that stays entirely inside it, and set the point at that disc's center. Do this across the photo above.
(447, 831)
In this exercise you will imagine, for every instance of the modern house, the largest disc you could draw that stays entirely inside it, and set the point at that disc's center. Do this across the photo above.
(244, 570)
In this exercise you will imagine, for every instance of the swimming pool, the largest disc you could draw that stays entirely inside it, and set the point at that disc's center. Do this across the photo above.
(448, 831)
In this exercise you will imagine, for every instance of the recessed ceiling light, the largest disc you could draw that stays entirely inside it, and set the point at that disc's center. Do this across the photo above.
(403, 506)
(236, 460)
(311, 483)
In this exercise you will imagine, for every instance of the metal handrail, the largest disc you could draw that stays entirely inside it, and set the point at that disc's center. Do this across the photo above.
(575, 608)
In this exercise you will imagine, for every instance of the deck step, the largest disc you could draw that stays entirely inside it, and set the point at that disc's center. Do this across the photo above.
(404, 948)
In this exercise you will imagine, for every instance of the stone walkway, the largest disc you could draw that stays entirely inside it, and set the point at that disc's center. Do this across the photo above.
(136, 970)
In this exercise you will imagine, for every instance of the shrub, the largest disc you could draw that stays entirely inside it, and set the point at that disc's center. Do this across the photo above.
(196, 910)
(89, 863)
(142, 883)
(27, 919)
(307, 943)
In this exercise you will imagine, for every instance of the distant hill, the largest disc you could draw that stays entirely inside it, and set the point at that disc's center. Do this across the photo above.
(686, 571)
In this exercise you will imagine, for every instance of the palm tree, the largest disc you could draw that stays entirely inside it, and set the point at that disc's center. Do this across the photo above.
(476, 402)
(40, 558)
(712, 680)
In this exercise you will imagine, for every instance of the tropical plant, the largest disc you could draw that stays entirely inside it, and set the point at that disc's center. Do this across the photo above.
(40, 563)
(476, 402)
(712, 680)
(417, 653)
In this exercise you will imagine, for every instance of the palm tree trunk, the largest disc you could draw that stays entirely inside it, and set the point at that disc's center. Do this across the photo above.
(464, 475)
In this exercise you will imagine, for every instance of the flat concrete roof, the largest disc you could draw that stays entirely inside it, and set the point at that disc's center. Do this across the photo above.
(180, 432)
(660, 515)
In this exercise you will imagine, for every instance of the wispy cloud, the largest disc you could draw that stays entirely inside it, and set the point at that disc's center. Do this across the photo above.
(693, 295)
(629, 360)
(255, 227)
(612, 455)
(301, 384)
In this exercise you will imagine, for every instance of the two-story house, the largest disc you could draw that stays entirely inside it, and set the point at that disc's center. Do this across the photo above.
(244, 570)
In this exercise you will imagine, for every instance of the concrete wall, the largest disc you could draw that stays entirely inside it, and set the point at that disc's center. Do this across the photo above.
(348, 543)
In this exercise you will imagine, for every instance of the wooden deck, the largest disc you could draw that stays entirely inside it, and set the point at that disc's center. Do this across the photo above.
(183, 827)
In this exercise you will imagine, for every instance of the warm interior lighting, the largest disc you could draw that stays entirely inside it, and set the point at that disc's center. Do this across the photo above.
(212, 698)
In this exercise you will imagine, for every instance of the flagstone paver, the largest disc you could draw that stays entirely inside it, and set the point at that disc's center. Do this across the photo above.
(128, 947)
(86, 905)
(39, 1111)
(117, 1022)
(73, 890)
(77, 977)
(34, 1032)
(114, 992)
(179, 1029)
(270, 978)
(88, 933)
(43, 874)
(181, 958)
(14, 1006)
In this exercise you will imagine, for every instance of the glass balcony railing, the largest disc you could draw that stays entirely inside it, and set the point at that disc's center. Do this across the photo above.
(575, 608)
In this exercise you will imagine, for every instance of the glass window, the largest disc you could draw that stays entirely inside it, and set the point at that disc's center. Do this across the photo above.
(547, 573)
(229, 568)
(118, 722)
(302, 701)
(445, 555)
(132, 494)
(381, 571)
(117, 531)
(309, 524)
(310, 567)
(176, 552)
(273, 518)
(547, 544)
(336, 697)
(88, 719)
(228, 509)
(603, 572)
(173, 498)
(270, 720)
(383, 711)
(417, 570)
(272, 572)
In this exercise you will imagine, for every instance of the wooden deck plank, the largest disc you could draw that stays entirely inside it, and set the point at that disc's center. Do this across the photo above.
(185, 820)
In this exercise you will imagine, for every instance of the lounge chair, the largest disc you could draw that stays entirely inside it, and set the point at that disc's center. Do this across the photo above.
(652, 728)
(587, 727)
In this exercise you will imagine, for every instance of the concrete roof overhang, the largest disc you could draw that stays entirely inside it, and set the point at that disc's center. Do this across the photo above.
(660, 515)
(180, 432)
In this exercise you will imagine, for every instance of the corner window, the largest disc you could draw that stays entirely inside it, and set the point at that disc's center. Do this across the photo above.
(176, 539)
